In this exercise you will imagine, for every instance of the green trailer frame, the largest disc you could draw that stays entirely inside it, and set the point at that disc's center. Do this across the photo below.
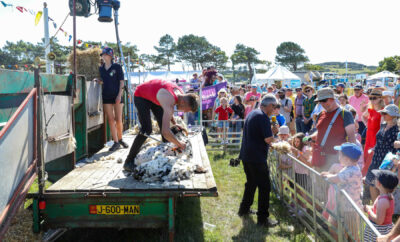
(69, 209)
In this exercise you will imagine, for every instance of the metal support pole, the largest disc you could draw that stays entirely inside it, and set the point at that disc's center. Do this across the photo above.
(129, 88)
(46, 37)
(39, 141)
(74, 81)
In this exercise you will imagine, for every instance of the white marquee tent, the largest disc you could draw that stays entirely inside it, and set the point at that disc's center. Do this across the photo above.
(140, 77)
(382, 75)
(278, 73)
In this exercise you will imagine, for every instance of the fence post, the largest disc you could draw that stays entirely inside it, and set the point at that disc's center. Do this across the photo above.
(313, 204)
(338, 215)
(295, 189)
(281, 188)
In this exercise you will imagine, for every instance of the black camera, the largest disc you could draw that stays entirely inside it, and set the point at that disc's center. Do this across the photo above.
(234, 162)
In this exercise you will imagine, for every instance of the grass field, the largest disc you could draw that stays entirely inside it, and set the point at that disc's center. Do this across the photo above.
(205, 219)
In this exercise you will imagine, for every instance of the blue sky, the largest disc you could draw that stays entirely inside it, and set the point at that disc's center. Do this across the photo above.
(359, 31)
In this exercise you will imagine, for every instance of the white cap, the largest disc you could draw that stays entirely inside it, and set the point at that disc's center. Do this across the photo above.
(284, 130)
(387, 93)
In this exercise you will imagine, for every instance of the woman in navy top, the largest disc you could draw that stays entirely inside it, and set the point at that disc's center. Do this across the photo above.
(112, 78)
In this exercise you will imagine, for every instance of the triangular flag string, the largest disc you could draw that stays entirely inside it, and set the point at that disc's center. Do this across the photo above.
(38, 15)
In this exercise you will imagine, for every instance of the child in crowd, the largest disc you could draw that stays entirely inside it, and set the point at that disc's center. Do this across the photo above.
(279, 117)
(285, 163)
(344, 102)
(380, 214)
(349, 178)
(223, 112)
(303, 154)
(358, 138)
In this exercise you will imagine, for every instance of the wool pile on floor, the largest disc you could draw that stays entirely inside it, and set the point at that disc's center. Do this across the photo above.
(159, 163)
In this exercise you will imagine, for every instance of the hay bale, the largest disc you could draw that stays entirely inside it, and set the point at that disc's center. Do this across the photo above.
(87, 62)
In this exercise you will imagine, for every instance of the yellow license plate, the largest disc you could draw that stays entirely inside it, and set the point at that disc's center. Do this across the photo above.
(114, 209)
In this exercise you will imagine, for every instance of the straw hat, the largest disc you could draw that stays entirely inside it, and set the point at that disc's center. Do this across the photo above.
(376, 92)
(307, 86)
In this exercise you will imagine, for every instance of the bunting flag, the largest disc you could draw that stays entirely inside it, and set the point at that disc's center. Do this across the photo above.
(21, 9)
(6, 4)
(69, 38)
(38, 17)
(55, 25)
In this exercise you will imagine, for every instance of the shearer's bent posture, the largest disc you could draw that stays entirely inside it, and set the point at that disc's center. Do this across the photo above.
(160, 97)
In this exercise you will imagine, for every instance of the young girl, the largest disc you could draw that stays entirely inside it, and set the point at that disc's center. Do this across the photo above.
(380, 214)
(112, 78)
(344, 102)
(303, 154)
(223, 112)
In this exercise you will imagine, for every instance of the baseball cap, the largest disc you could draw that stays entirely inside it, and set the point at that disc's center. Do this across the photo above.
(281, 90)
(350, 150)
(387, 93)
(253, 86)
(387, 178)
(391, 110)
(324, 93)
(108, 51)
(283, 130)
(341, 85)
(358, 86)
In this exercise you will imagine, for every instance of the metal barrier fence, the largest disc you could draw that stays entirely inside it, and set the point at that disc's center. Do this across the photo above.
(225, 134)
(328, 212)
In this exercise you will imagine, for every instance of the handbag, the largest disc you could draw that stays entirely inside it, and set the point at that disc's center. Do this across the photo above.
(319, 157)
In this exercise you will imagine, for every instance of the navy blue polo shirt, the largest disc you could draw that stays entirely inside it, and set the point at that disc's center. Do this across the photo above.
(257, 127)
(111, 78)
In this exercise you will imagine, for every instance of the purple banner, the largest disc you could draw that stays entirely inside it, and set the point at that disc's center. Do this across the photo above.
(209, 94)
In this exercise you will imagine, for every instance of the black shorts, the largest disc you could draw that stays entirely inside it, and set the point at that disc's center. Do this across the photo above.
(112, 100)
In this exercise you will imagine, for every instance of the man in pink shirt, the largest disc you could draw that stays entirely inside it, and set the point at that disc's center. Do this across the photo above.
(357, 101)
(253, 92)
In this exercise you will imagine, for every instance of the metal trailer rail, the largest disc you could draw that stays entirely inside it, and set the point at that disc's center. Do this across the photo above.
(310, 198)
(21, 172)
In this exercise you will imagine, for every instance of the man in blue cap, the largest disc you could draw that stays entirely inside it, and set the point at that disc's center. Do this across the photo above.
(340, 88)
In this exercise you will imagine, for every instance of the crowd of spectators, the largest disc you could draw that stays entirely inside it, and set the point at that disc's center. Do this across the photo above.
(344, 138)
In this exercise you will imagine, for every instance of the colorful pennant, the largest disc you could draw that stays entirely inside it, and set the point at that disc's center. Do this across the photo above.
(38, 17)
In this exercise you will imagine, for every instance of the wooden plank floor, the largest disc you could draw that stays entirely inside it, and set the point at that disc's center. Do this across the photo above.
(108, 175)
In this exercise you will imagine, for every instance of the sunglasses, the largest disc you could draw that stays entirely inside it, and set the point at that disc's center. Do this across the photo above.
(372, 98)
(323, 101)
(383, 113)
(308, 90)
(298, 90)
(357, 90)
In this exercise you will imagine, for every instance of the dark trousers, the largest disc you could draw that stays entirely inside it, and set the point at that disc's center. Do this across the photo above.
(308, 126)
(300, 125)
(144, 107)
(362, 131)
(257, 175)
